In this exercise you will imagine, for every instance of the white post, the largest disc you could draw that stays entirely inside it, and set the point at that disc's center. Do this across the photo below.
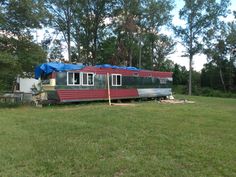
(108, 89)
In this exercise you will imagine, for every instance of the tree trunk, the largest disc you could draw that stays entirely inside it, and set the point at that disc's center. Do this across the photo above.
(231, 74)
(95, 49)
(190, 75)
(190, 55)
(222, 80)
(130, 57)
(78, 45)
(68, 24)
(69, 48)
(69, 40)
(140, 53)
(151, 52)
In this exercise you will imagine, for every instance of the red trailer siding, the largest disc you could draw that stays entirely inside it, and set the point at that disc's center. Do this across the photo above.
(102, 94)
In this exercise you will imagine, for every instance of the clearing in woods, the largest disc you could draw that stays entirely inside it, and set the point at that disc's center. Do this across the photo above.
(149, 139)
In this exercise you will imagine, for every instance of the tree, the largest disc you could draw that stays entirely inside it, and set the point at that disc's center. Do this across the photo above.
(107, 51)
(156, 14)
(126, 25)
(92, 27)
(19, 17)
(18, 54)
(199, 17)
(210, 76)
(220, 50)
(137, 25)
(62, 16)
(217, 53)
(231, 46)
(56, 51)
(180, 75)
(8, 69)
(164, 46)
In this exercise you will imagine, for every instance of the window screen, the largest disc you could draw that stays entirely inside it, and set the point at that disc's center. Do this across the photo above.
(116, 80)
(85, 80)
(163, 81)
(70, 78)
(76, 78)
(88, 79)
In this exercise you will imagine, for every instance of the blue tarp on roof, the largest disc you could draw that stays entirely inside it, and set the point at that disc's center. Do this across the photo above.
(117, 67)
(48, 68)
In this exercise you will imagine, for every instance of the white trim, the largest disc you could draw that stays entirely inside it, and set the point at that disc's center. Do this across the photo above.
(82, 78)
(163, 80)
(73, 79)
(116, 79)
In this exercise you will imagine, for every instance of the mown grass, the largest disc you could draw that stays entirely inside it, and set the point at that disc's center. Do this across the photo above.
(150, 139)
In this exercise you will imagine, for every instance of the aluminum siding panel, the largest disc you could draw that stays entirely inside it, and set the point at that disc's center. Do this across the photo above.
(154, 92)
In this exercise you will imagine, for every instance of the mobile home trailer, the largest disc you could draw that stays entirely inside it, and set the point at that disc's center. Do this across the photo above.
(74, 83)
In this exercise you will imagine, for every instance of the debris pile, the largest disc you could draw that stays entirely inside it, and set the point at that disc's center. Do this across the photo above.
(182, 101)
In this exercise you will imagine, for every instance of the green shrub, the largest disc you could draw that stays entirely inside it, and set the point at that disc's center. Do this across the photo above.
(9, 105)
(202, 91)
(179, 89)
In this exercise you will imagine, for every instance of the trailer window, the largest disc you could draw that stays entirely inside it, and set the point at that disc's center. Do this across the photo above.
(116, 80)
(88, 79)
(85, 80)
(73, 78)
(70, 79)
(162, 81)
(76, 78)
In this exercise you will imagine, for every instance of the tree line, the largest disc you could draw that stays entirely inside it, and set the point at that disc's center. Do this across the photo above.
(125, 32)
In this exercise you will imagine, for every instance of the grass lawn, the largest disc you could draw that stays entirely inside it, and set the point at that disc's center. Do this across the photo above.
(150, 139)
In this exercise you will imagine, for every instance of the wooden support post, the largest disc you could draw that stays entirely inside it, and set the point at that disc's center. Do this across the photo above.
(108, 89)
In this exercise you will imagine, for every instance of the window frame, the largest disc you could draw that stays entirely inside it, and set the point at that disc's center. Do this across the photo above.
(73, 79)
(82, 78)
(162, 81)
(116, 85)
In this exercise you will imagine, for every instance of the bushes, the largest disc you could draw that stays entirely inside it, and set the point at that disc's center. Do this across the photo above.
(9, 105)
(216, 93)
(179, 89)
(203, 91)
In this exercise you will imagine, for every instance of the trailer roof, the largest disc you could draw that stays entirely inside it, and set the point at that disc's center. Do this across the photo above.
(48, 68)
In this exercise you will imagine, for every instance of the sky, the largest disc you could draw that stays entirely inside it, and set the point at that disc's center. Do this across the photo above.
(198, 60)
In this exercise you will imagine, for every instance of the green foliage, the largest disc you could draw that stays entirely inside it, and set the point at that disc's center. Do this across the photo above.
(18, 57)
(210, 76)
(180, 89)
(91, 25)
(29, 55)
(201, 17)
(9, 67)
(180, 75)
(107, 51)
(56, 51)
(18, 16)
(203, 91)
(61, 13)
(9, 105)
(18, 54)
